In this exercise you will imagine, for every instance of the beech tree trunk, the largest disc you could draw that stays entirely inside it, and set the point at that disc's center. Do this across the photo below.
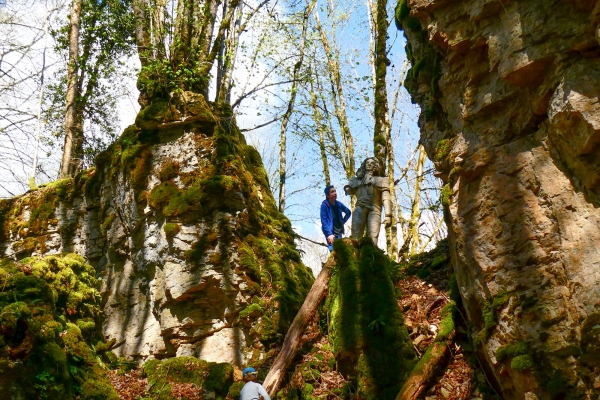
(292, 338)
(288, 112)
(73, 130)
(382, 123)
(339, 102)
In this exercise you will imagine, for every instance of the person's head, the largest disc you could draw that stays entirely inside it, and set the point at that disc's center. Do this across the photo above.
(249, 374)
(330, 193)
(371, 165)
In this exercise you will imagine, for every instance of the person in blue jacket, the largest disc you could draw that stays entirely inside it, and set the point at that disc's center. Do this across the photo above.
(332, 220)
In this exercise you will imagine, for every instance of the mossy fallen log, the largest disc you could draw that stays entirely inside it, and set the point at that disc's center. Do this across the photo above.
(432, 360)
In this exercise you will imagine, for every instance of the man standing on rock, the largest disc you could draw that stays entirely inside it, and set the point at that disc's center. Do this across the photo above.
(252, 390)
(332, 221)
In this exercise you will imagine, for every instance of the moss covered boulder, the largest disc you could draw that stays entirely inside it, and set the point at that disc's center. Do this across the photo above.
(50, 342)
(370, 341)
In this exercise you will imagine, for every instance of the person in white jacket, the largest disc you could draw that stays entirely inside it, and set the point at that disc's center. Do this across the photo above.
(252, 390)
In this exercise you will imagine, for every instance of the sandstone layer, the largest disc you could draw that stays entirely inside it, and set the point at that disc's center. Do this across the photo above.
(178, 220)
(510, 115)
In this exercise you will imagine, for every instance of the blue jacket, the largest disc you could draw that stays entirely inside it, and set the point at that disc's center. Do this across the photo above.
(327, 216)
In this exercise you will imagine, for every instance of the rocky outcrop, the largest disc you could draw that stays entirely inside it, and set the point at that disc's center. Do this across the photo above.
(178, 220)
(510, 115)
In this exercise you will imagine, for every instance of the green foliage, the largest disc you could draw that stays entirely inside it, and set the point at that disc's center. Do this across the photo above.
(106, 36)
(366, 321)
(50, 315)
(159, 78)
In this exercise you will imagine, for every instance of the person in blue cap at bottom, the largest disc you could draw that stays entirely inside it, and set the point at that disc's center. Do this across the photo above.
(332, 221)
(252, 390)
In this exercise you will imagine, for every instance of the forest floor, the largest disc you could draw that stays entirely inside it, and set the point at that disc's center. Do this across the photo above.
(422, 300)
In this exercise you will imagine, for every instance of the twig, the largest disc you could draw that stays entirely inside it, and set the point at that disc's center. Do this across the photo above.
(308, 240)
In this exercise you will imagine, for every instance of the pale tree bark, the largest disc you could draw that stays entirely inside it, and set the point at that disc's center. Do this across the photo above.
(339, 102)
(142, 30)
(392, 232)
(411, 238)
(290, 108)
(382, 123)
(38, 127)
(73, 129)
(318, 118)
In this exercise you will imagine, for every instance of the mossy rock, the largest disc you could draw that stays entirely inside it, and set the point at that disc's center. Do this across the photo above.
(213, 377)
(369, 338)
(49, 322)
(158, 112)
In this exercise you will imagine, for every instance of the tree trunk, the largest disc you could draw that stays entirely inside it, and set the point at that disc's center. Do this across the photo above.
(291, 342)
(290, 108)
(339, 102)
(412, 237)
(317, 117)
(73, 130)
(142, 31)
(382, 124)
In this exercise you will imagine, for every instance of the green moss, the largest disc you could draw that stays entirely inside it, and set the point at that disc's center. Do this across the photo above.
(522, 363)
(445, 195)
(367, 329)
(511, 350)
(107, 223)
(439, 261)
(142, 166)
(442, 150)
(162, 195)
(490, 312)
(403, 19)
(52, 314)
(235, 389)
(171, 229)
(447, 323)
(253, 310)
(169, 171)
(214, 377)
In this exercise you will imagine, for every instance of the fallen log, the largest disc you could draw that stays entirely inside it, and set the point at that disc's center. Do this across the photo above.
(423, 372)
(291, 342)
(428, 365)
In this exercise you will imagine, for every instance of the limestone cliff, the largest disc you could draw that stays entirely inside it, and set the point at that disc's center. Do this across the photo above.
(509, 92)
(178, 220)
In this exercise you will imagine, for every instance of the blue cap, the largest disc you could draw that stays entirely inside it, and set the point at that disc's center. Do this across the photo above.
(247, 371)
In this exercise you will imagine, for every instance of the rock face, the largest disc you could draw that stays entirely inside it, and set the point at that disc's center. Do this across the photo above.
(511, 117)
(178, 219)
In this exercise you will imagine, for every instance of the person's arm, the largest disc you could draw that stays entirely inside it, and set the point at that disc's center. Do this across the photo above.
(326, 225)
(347, 213)
(263, 393)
